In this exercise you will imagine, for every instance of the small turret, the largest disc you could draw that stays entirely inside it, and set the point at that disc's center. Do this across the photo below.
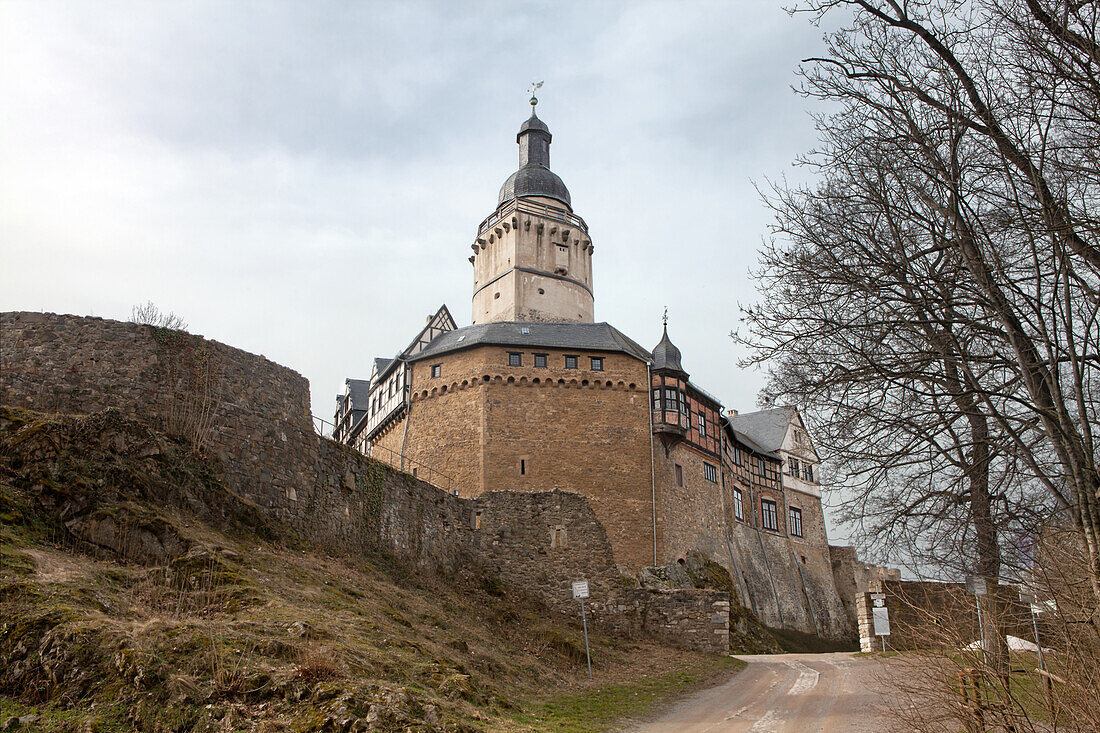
(666, 357)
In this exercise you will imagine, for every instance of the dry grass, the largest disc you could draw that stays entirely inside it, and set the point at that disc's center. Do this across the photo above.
(259, 634)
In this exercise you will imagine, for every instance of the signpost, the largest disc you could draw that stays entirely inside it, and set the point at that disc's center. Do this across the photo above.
(976, 584)
(1029, 598)
(580, 592)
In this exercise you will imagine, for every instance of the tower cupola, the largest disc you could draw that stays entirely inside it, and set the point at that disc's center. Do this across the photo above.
(534, 177)
(532, 256)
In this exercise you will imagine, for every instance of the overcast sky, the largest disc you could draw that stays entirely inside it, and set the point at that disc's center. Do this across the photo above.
(304, 180)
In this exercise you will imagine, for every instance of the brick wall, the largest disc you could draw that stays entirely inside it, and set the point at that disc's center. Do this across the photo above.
(329, 494)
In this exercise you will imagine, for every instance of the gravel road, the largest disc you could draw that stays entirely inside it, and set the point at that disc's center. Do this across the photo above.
(781, 693)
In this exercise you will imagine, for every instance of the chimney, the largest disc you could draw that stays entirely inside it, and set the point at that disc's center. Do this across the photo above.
(731, 412)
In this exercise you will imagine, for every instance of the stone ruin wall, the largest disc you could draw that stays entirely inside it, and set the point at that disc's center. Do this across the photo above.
(929, 614)
(333, 496)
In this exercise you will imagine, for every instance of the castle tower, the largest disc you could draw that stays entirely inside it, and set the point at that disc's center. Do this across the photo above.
(533, 256)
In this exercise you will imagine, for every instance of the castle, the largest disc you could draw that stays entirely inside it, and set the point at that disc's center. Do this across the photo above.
(536, 396)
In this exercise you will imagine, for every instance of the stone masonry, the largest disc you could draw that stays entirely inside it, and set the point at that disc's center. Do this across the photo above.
(331, 495)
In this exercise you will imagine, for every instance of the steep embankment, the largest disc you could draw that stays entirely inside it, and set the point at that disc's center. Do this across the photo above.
(138, 593)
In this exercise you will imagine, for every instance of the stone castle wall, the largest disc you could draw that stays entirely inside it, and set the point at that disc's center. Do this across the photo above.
(331, 495)
(786, 581)
(574, 430)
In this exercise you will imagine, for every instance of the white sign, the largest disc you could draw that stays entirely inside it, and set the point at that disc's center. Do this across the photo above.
(878, 596)
(975, 585)
(879, 602)
(882, 621)
(580, 589)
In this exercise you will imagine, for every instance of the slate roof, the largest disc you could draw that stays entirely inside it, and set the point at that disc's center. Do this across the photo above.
(765, 428)
(579, 336)
(380, 365)
(359, 389)
(667, 356)
(535, 178)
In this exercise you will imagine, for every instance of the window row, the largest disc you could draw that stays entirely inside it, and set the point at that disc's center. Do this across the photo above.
(769, 514)
(710, 473)
(800, 469)
(674, 400)
(595, 363)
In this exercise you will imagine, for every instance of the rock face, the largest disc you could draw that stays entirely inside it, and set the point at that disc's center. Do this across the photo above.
(259, 465)
(665, 577)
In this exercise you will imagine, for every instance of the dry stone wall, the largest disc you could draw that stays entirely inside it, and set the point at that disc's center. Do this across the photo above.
(329, 494)
(692, 619)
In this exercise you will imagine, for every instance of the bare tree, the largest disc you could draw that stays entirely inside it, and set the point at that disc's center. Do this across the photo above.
(948, 264)
(150, 315)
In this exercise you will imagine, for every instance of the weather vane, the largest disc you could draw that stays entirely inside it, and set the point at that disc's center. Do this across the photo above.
(664, 318)
(535, 86)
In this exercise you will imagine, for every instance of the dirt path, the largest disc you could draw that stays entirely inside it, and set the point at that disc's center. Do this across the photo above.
(783, 693)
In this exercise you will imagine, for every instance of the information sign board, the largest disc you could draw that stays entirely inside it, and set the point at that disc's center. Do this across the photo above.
(580, 589)
(881, 617)
(975, 585)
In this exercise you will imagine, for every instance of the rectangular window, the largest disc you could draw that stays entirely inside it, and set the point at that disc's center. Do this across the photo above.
(794, 520)
(738, 505)
(540, 361)
(808, 472)
(515, 358)
(571, 362)
(437, 370)
(679, 475)
(522, 466)
(759, 466)
(710, 473)
(597, 363)
(792, 466)
(702, 426)
(768, 515)
(670, 400)
(656, 399)
(684, 404)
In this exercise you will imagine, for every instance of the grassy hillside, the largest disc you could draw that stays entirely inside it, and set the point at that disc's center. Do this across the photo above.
(138, 594)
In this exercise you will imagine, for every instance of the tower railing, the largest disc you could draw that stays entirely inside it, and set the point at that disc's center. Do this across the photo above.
(401, 462)
(531, 207)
